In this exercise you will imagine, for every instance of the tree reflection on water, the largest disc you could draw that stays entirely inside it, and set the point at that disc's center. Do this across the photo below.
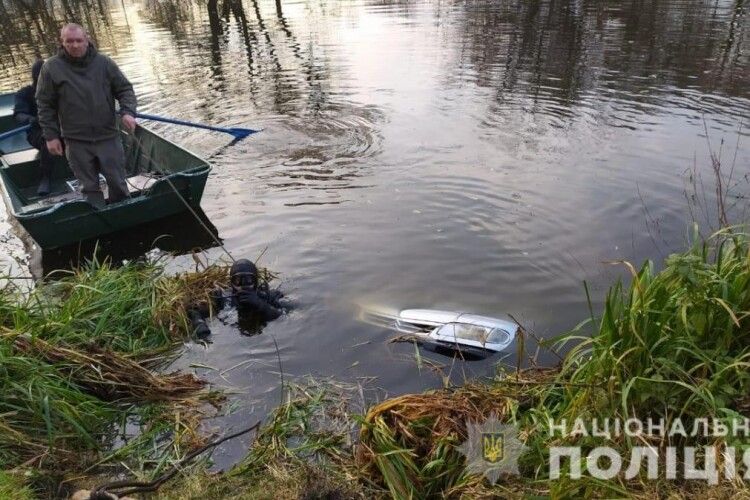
(694, 44)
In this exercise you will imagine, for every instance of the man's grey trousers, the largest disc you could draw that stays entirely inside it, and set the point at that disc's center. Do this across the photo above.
(88, 159)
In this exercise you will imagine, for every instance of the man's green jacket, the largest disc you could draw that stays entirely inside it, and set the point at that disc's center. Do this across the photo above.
(81, 93)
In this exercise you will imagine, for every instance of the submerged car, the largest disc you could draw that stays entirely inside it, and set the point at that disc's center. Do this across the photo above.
(454, 330)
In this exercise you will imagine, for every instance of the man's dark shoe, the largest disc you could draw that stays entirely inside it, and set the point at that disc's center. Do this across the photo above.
(96, 199)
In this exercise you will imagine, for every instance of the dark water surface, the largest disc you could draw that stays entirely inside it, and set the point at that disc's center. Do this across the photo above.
(484, 156)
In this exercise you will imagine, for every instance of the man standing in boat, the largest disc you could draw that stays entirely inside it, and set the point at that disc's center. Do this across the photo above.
(77, 87)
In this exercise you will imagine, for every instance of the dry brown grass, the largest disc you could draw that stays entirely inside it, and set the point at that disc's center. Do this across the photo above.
(108, 375)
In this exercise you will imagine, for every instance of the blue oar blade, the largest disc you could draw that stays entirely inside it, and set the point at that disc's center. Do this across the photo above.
(241, 133)
(237, 133)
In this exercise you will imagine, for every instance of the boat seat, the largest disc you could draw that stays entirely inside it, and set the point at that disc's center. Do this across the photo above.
(49, 201)
(6, 109)
(13, 144)
(19, 157)
(71, 191)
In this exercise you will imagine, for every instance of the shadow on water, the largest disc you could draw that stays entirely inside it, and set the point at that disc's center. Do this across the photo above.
(177, 234)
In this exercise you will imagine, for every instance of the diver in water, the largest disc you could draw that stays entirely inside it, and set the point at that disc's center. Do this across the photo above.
(248, 293)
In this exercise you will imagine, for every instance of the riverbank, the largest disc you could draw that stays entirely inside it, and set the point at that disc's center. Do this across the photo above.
(672, 347)
(79, 371)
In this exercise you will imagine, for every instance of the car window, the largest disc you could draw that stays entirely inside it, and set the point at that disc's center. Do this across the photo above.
(498, 336)
(465, 332)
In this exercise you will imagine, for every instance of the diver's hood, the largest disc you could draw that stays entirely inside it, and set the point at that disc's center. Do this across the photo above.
(244, 273)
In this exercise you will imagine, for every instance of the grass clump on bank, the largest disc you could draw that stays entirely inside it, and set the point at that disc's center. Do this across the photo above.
(674, 345)
(408, 443)
(77, 360)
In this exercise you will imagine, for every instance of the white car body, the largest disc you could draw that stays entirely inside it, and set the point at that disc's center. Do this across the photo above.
(458, 329)
(450, 329)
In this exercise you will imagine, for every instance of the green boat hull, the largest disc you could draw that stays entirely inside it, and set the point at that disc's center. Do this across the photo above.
(181, 178)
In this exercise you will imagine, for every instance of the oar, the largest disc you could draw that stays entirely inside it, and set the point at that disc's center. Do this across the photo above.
(238, 133)
(13, 132)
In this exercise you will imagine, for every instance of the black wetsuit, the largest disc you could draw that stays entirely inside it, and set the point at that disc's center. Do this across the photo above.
(262, 303)
(258, 304)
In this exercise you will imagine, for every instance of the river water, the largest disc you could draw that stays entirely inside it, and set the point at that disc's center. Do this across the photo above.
(485, 156)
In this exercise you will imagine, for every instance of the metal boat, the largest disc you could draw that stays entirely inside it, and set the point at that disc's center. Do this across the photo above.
(164, 179)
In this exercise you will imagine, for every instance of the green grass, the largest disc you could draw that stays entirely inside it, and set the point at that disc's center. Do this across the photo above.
(305, 450)
(677, 340)
(76, 360)
(674, 344)
(13, 488)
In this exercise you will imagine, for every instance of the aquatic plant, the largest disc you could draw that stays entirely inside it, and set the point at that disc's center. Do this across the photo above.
(672, 345)
(304, 450)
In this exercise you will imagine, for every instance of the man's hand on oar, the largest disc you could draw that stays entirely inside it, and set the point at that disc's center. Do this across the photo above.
(129, 122)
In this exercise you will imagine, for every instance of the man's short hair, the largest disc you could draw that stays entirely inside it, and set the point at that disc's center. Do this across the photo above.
(72, 26)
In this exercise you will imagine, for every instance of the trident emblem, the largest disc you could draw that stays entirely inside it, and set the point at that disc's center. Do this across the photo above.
(492, 446)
